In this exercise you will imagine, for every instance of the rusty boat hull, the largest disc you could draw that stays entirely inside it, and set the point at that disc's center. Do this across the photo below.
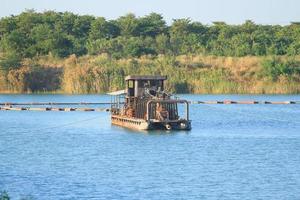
(141, 124)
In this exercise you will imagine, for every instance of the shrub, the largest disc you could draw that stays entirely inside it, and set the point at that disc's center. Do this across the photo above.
(276, 67)
(4, 196)
(10, 61)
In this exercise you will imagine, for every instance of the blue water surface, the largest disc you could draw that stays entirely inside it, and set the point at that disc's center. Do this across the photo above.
(232, 152)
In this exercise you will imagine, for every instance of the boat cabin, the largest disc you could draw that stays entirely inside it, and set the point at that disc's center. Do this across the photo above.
(137, 85)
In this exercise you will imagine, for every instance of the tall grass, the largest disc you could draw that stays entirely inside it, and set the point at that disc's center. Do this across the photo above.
(186, 74)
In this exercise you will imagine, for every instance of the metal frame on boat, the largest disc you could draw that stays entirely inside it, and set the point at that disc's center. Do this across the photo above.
(144, 105)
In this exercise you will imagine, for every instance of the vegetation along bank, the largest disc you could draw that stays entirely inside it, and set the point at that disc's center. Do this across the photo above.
(68, 53)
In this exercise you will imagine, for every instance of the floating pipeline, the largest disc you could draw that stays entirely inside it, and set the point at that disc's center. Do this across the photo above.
(244, 102)
(16, 106)
(11, 108)
(108, 103)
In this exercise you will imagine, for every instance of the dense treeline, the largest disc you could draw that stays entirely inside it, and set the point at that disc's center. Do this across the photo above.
(62, 34)
(87, 54)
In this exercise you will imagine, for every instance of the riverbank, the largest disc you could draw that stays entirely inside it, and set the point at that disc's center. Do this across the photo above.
(186, 74)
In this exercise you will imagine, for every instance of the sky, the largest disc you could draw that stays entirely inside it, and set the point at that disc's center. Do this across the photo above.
(205, 11)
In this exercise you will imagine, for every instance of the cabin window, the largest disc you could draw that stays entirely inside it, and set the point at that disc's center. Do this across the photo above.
(130, 90)
(130, 84)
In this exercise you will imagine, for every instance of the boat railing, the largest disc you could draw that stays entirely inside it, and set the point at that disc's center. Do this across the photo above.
(151, 108)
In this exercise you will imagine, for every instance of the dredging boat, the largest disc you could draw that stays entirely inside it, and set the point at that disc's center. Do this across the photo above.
(144, 105)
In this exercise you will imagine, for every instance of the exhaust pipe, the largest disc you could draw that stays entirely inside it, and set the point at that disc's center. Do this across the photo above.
(168, 126)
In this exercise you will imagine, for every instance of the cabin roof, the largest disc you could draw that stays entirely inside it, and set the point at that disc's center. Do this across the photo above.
(146, 77)
(120, 92)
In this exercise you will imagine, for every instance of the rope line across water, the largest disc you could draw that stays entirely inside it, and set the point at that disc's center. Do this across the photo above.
(57, 126)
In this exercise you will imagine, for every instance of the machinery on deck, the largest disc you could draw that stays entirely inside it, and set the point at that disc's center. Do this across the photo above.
(144, 105)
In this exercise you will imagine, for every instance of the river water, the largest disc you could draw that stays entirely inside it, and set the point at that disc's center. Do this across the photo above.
(232, 152)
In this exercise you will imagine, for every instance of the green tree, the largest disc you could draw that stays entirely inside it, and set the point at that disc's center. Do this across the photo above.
(241, 44)
(42, 38)
(15, 41)
(10, 61)
(128, 25)
(186, 37)
(135, 47)
(61, 44)
(162, 44)
(101, 28)
(151, 25)
(7, 24)
(261, 42)
(178, 32)
(82, 26)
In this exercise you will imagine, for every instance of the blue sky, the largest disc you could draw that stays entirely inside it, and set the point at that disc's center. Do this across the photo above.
(205, 11)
